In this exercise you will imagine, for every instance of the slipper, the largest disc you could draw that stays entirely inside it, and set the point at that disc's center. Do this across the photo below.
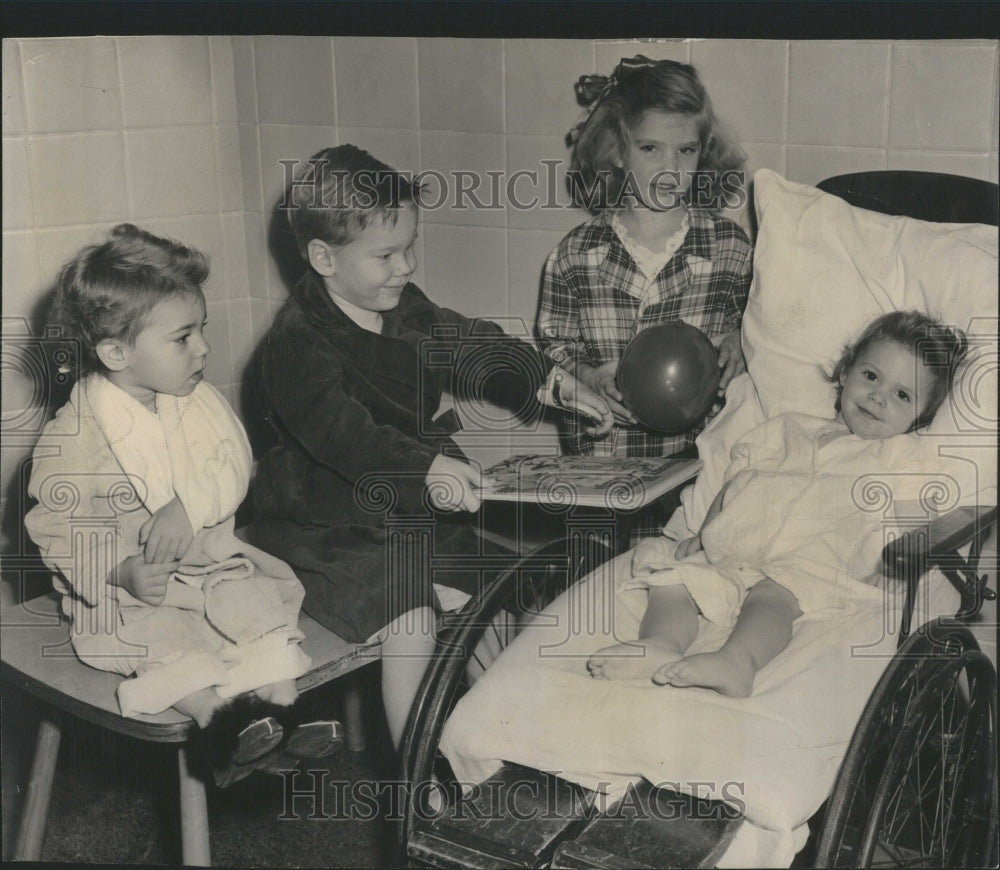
(312, 740)
(315, 740)
(253, 743)
(257, 739)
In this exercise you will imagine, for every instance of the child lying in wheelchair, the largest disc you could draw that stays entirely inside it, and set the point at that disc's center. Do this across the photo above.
(786, 527)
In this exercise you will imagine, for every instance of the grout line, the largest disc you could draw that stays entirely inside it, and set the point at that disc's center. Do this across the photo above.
(888, 104)
(127, 163)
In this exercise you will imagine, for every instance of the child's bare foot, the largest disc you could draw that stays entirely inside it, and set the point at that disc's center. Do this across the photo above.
(631, 661)
(728, 674)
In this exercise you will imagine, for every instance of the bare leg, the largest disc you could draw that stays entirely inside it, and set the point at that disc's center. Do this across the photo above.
(283, 693)
(406, 652)
(763, 629)
(667, 629)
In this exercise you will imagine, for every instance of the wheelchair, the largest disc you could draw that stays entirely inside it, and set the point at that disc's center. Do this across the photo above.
(917, 785)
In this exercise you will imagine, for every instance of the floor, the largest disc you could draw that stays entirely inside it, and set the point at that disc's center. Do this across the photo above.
(115, 802)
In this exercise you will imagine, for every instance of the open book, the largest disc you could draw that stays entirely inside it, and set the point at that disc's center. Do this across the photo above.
(618, 483)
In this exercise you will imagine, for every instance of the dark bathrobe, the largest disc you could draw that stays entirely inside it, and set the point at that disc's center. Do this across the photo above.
(355, 415)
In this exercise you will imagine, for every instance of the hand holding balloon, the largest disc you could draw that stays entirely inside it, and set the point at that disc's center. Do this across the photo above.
(602, 381)
(731, 360)
(669, 376)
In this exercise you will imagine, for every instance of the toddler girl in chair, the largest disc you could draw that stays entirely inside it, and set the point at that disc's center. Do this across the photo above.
(786, 528)
(137, 480)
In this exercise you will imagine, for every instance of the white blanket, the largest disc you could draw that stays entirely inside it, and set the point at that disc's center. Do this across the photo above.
(774, 755)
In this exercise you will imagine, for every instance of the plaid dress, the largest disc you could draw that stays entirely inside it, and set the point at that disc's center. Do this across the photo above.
(592, 292)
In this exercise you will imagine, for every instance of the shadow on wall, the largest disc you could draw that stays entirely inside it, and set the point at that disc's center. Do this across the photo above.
(284, 251)
(34, 389)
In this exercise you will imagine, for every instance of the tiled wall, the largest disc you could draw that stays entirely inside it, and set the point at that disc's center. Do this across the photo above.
(103, 130)
(184, 134)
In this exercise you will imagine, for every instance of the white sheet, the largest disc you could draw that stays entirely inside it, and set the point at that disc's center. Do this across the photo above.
(773, 755)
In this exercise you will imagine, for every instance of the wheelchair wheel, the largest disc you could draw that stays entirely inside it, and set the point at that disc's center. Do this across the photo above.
(917, 786)
(496, 615)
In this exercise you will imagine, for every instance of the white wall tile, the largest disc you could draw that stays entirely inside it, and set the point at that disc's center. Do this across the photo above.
(540, 75)
(972, 165)
(376, 81)
(747, 81)
(234, 256)
(245, 79)
(466, 269)
(71, 84)
(810, 165)
(837, 93)
(940, 96)
(58, 245)
(22, 284)
(461, 84)
(229, 167)
(17, 206)
(172, 171)
(286, 142)
(464, 161)
(12, 116)
(540, 200)
(294, 76)
(78, 179)
(399, 148)
(250, 166)
(223, 79)
(218, 366)
(526, 257)
(166, 80)
(241, 340)
(257, 255)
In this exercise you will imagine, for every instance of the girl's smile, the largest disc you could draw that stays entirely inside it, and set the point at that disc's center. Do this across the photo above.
(884, 392)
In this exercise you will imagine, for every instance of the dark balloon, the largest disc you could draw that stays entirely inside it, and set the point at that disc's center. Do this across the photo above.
(669, 376)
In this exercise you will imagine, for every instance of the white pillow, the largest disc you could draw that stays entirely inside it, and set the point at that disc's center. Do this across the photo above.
(823, 270)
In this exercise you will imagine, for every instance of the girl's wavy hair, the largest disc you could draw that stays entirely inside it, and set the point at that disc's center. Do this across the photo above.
(939, 348)
(617, 103)
(108, 290)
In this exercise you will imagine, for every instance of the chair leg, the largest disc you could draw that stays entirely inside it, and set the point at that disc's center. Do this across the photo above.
(35, 812)
(354, 725)
(195, 849)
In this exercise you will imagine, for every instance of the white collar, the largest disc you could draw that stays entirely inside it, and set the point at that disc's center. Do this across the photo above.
(370, 320)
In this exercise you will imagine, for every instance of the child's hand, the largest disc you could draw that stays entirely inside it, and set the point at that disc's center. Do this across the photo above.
(167, 534)
(731, 359)
(688, 547)
(602, 381)
(577, 396)
(143, 580)
(452, 484)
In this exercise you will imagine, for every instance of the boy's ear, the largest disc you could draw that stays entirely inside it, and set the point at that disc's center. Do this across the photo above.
(321, 257)
(112, 354)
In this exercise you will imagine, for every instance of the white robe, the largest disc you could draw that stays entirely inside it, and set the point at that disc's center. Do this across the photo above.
(102, 467)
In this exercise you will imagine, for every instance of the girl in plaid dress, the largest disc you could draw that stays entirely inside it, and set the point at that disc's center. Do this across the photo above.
(650, 162)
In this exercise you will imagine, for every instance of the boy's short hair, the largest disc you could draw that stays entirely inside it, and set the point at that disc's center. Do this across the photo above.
(340, 191)
(108, 290)
(939, 348)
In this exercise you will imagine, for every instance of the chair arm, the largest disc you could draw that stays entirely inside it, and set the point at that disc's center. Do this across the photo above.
(913, 553)
(936, 545)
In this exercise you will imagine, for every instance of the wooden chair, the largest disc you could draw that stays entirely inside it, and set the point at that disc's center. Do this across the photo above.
(37, 658)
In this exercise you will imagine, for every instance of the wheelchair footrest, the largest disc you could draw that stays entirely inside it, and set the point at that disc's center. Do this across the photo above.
(650, 828)
(516, 818)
